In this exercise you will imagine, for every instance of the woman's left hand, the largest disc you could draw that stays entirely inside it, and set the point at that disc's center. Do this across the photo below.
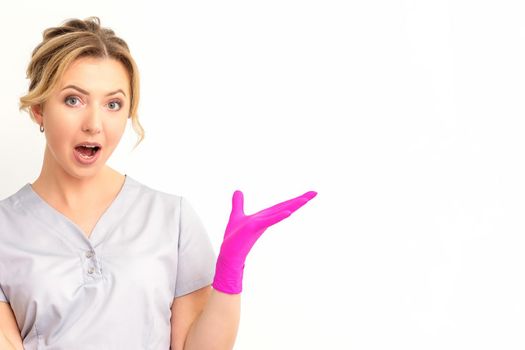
(241, 234)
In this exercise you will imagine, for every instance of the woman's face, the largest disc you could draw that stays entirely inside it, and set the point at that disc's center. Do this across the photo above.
(86, 116)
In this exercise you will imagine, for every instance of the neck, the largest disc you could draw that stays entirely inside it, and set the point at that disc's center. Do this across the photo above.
(67, 191)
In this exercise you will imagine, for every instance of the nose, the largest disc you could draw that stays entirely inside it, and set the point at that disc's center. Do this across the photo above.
(93, 121)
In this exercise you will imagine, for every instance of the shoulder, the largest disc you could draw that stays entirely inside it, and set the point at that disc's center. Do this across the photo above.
(14, 214)
(159, 202)
(164, 208)
(152, 196)
(11, 206)
(148, 191)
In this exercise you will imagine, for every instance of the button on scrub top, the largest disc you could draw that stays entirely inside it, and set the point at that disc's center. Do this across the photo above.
(113, 290)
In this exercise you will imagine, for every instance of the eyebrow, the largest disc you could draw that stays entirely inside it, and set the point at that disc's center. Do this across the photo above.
(87, 93)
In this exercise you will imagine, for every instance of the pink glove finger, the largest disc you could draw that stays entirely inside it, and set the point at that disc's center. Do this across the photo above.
(291, 204)
(237, 204)
(269, 220)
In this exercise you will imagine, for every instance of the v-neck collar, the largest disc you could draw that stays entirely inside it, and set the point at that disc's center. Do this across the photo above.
(36, 206)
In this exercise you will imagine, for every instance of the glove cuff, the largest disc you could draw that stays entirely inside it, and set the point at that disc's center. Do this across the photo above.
(228, 276)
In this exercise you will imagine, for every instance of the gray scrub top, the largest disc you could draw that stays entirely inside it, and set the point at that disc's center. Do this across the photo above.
(113, 290)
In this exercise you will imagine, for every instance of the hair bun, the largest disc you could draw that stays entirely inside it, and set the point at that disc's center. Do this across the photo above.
(72, 25)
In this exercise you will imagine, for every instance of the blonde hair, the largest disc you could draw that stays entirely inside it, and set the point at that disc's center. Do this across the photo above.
(61, 46)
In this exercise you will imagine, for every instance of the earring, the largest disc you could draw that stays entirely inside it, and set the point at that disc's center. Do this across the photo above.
(41, 127)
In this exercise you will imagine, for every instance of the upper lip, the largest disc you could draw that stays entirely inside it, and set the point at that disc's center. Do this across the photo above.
(89, 144)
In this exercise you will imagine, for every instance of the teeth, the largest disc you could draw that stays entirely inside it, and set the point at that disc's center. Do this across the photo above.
(84, 156)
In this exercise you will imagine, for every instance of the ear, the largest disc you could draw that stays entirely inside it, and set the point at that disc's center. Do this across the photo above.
(37, 113)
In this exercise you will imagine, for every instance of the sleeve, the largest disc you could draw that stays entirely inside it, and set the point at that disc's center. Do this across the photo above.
(196, 258)
(2, 296)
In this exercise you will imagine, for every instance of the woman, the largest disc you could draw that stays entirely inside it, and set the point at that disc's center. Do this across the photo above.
(91, 258)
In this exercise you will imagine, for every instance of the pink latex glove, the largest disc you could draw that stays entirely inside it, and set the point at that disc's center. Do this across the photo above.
(241, 234)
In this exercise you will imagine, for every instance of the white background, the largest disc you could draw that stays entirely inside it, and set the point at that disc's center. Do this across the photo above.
(405, 116)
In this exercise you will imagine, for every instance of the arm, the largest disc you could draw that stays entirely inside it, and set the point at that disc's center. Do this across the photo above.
(216, 327)
(212, 324)
(10, 338)
(205, 319)
(5, 344)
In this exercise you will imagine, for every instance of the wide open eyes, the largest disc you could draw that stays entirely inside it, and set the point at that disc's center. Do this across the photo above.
(73, 101)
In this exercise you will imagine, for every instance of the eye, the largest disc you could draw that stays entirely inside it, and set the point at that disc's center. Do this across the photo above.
(115, 105)
(71, 98)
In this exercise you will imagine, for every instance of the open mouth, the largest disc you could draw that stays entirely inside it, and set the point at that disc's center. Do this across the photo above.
(87, 152)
